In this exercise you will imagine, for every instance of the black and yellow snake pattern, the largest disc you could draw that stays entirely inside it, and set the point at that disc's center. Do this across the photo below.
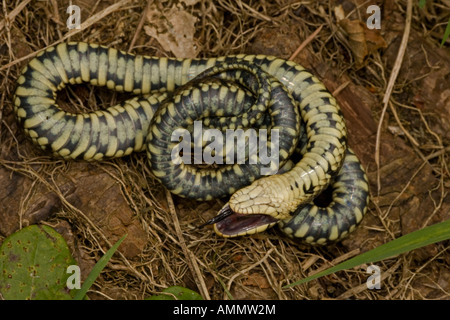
(239, 91)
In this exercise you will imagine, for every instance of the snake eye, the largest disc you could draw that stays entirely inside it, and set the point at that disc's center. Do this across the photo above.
(231, 224)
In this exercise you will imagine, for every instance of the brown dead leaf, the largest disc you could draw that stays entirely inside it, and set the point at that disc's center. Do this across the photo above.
(256, 280)
(173, 29)
(339, 12)
(361, 40)
(374, 40)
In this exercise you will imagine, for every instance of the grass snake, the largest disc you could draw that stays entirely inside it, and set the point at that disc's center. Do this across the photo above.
(237, 92)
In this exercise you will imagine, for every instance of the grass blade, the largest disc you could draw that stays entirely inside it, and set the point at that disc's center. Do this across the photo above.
(97, 269)
(446, 33)
(176, 293)
(420, 238)
(224, 286)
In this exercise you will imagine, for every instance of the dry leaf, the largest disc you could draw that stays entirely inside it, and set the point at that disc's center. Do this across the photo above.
(256, 280)
(339, 12)
(362, 41)
(174, 30)
(374, 40)
(356, 39)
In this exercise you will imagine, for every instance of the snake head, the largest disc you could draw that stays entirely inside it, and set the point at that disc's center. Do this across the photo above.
(251, 210)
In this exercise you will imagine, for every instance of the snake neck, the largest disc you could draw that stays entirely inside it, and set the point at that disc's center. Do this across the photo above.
(280, 195)
(269, 196)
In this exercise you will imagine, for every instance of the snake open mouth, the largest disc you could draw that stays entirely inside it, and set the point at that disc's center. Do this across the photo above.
(232, 224)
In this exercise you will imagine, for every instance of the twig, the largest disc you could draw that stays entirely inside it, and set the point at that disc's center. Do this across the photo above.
(13, 13)
(410, 137)
(256, 13)
(90, 21)
(139, 26)
(355, 290)
(190, 258)
(306, 42)
(340, 88)
(336, 261)
(390, 86)
(243, 272)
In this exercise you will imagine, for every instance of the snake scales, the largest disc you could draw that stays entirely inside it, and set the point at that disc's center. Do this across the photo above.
(241, 91)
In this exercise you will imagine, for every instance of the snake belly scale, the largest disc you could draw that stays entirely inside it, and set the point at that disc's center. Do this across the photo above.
(162, 86)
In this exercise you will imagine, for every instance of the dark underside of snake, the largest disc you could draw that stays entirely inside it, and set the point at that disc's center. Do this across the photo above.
(175, 99)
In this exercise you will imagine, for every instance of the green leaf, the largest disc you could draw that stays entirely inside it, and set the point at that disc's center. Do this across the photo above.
(422, 3)
(446, 33)
(33, 264)
(96, 270)
(177, 293)
(420, 238)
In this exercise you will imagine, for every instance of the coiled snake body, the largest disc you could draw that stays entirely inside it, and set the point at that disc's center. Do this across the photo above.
(241, 91)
